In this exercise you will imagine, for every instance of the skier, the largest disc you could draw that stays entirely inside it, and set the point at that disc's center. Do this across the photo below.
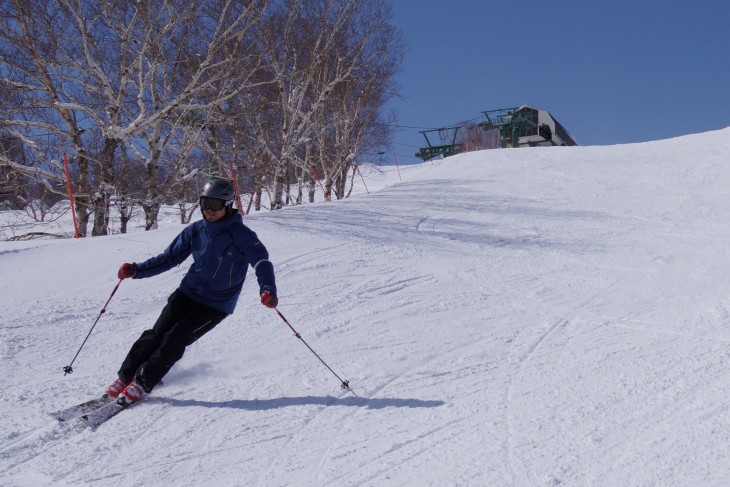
(222, 248)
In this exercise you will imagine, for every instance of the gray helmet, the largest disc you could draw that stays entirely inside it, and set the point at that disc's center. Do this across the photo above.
(220, 189)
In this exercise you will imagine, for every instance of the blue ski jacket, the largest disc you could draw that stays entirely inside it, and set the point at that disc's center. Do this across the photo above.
(222, 252)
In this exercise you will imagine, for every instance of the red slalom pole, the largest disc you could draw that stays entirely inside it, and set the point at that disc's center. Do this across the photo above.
(344, 384)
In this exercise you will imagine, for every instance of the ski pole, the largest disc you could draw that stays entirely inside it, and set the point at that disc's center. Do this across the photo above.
(344, 384)
(68, 369)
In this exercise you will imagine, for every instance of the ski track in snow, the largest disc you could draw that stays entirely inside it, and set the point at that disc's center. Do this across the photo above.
(510, 453)
(531, 317)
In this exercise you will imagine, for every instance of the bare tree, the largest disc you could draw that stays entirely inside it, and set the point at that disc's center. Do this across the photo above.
(473, 137)
(351, 122)
(11, 181)
(323, 57)
(90, 76)
(142, 93)
(296, 38)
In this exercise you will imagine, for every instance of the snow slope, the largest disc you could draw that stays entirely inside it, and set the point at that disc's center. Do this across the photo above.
(532, 317)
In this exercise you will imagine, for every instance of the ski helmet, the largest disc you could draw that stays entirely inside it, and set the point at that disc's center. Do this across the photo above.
(219, 189)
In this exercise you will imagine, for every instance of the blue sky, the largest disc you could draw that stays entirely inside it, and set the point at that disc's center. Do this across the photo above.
(611, 72)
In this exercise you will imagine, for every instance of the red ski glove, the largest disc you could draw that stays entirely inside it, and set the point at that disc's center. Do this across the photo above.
(127, 270)
(269, 299)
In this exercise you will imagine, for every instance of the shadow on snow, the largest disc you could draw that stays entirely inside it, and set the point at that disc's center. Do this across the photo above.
(282, 402)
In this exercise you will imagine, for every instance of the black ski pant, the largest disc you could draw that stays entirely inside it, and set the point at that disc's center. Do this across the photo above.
(181, 322)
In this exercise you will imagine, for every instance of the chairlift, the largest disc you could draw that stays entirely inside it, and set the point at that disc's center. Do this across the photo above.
(447, 147)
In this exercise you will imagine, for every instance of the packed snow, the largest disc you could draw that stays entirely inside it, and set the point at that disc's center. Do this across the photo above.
(527, 317)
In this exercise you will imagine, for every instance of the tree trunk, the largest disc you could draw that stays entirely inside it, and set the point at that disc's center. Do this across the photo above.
(101, 197)
(151, 212)
(151, 206)
(125, 214)
(341, 184)
(327, 189)
(287, 190)
(352, 183)
(278, 188)
(82, 200)
(300, 192)
(257, 201)
(82, 215)
(185, 214)
(101, 212)
(123, 221)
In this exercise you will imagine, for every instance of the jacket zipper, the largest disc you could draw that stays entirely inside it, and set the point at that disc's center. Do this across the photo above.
(220, 261)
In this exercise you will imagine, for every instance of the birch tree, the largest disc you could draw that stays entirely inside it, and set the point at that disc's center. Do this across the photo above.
(11, 182)
(352, 121)
(296, 37)
(323, 56)
(89, 76)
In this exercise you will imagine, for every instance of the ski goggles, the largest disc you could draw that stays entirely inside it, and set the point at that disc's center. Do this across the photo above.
(213, 204)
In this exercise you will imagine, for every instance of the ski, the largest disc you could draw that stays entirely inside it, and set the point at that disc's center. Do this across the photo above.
(77, 410)
(99, 416)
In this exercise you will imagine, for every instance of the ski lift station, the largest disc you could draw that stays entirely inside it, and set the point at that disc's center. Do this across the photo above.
(526, 126)
(523, 126)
